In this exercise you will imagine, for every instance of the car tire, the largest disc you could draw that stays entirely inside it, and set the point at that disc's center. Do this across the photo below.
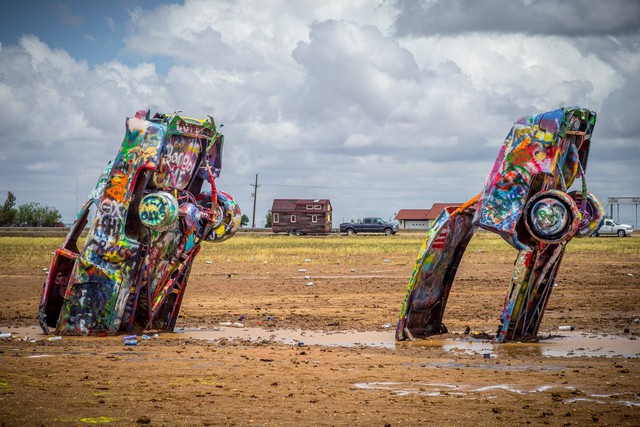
(229, 216)
(551, 216)
(592, 216)
(621, 233)
(297, 233)
(388, 231)
(350, 232)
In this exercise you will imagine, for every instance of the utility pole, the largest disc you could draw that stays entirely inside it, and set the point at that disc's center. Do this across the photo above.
(255, 198)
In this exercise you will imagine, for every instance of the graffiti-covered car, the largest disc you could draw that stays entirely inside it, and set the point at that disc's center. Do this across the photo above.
(526, 201)
(154, 206)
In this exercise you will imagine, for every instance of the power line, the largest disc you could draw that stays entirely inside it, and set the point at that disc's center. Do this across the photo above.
(346, 188)
(302, 186)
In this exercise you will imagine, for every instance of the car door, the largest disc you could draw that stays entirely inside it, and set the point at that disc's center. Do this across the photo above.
(607, 227)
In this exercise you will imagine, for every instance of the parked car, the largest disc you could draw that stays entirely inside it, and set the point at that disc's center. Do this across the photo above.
(154, 205)
(611, 228)
(369, 225)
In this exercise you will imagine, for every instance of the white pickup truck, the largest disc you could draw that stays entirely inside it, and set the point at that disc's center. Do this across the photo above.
(610, 227)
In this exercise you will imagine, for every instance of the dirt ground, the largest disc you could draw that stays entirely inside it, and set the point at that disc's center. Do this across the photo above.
(177, 380)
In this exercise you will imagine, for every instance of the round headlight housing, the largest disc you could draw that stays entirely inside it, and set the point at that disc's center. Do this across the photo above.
(552, 216)
(158, 210)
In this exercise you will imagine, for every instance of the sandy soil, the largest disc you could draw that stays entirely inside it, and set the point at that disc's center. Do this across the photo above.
(180, 381)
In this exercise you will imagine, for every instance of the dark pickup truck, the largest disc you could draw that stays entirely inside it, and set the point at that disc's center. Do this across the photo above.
(369, 225)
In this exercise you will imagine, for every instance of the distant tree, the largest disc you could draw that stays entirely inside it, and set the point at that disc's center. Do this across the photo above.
(244, 220)
(26, 215)
(48, 216)
(35, 215)
(8, 213)
(267, 222)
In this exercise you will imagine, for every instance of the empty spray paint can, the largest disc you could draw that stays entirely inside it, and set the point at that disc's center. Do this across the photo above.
(130, 340)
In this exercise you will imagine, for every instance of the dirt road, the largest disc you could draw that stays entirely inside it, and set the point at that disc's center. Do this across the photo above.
(180, 379)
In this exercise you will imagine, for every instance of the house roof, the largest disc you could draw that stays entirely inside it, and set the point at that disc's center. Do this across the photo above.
(412, 214)
(424, 214)
(284, 205)
(437, 208)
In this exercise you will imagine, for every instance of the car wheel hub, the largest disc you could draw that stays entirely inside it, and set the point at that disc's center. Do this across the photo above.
(549, 216)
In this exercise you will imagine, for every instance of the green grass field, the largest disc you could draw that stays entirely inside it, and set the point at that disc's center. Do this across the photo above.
(35, 253)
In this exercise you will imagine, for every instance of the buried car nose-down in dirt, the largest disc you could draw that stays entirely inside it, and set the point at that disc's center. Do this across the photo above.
(525, 200)
(154, 205)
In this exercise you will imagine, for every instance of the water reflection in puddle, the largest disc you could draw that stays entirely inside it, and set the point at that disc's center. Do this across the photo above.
(295, 337)
(565, 344)
(560, 344)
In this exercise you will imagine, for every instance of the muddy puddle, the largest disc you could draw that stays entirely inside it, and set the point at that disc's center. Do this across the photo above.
(559, 344)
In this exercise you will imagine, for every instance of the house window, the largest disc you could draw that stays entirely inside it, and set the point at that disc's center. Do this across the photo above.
(293, 218)
(314, 218)
(309, 207)
(317, 207)
(276, 217)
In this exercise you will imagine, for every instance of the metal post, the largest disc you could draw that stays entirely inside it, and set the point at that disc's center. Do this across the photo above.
(255, 197)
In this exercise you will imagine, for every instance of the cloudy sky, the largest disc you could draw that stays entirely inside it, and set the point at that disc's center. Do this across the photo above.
(377, 105)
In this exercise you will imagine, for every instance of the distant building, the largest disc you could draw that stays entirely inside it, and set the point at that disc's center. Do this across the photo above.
(417, 219)
(421, 219)
(301, 216)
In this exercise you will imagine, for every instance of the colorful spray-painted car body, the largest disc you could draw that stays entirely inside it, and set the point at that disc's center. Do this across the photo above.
(525, 201)
(154, 206)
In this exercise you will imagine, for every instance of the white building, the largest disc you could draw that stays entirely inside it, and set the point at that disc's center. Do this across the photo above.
(421, 219)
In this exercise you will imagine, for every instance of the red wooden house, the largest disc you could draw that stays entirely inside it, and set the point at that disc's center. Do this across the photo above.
(301, 216)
